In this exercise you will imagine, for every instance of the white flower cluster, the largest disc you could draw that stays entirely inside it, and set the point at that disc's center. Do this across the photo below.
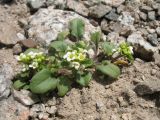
(131, 49)
(75, 56)
(31, 60)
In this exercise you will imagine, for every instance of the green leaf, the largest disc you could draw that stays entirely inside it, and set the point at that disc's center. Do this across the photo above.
(110, 70)
(58, 46)
(84, 80)
(63, 86)
(95, 37)
(87, 63)
(77, 28)
(31, 49)
(62, 35)
(18, 84)
(26, 87)
(108, 48)
(43, 82)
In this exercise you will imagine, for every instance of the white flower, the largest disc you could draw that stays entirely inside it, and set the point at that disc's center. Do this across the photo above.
(40, 53)
(76, 65)
(34, 65)
(114, 50)
(70, 56)
(66, 56)
(22, 56)
(32, 54)
(131, 49)
(18, 58)
(81, 56)
(25, 68)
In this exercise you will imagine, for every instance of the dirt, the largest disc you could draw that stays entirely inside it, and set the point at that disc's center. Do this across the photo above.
(102, 100)
(113, 101)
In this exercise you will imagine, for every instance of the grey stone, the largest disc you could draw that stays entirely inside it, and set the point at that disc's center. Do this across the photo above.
(8, 34)
(126, 31)
(47, 23)
(38, 108)
(35, 4)
(8, 70)
(149, 86)
(158, 1)
(60, 4)
(21, 36)
(155, 5)
(22, 22)
(121, 102)
(51, 110)
(77, 7)
(17, 49)
(99, 11)
(112, 16)
(158, 31)
(158, 12)
(120, 8)
(152, 38)
(145, 8)
(90, 3)
(150, 30)
(105, 26)
(157, 59)
(6, 74)
(29, 43)
(13, 110)
(51, 102)
(43, 116)
(25, 97)
(143, 31)
(143, 16)
(114, 3)
(151, 15)
(126, 19)
(141, 47)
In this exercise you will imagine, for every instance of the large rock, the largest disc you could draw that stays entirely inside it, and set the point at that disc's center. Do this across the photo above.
(36, 4)
(8, 34)
(77, 7)
(13, 110)
(149, 86)
(99, 11)
(47, 23)
(126, 19)
(8, 69)
(25, 97)
(142, 48)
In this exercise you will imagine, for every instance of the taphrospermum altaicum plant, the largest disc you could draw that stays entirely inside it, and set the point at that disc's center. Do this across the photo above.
(67, 63)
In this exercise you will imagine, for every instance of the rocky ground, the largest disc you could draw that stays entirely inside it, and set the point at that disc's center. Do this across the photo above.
(136, 93)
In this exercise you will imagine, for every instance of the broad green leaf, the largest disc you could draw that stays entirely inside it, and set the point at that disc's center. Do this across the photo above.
(77, 28)
(31, 49)
(58, 46)
(18, 84)
(110, 70)
(26, 87)
(84, 80)
(95, 37)
(62, 35)
(63, 86)
(108, 48)
(43, 82)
